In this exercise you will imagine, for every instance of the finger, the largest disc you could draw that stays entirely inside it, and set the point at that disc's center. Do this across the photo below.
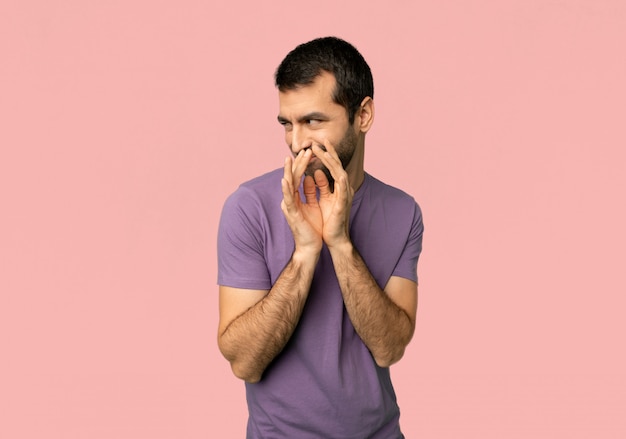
(287, 183)
(294, 161)
(342, 189)
(285, 204)
(330, 149)
(330, 159)
(328, 155)
(322, 183)
(339, 190)
(310, 193)
(300, 164)
(288, 172)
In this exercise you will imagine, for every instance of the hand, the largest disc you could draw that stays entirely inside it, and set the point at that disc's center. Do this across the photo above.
(304, 219)
(335, 206)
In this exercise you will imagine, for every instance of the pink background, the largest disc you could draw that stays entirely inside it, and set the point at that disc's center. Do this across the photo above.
(125, 124)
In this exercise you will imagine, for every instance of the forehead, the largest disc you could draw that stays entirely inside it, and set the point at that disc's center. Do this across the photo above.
(317, 96)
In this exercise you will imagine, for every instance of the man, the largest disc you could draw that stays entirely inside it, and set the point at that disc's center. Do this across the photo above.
(318, 275)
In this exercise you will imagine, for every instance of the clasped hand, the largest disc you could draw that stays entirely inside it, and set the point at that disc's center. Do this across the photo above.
(315, 221)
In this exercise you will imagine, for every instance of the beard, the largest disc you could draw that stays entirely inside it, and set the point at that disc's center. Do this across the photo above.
(345, 150)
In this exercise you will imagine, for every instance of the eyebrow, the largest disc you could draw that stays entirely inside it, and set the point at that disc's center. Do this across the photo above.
(314, 115)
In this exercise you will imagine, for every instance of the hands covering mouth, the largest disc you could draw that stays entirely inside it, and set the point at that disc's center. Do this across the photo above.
(323, 216)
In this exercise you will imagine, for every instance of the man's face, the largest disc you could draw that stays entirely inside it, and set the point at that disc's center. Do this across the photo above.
(310, 116)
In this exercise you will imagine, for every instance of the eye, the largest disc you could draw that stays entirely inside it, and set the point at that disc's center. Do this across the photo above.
(286, 125)
(313, 122)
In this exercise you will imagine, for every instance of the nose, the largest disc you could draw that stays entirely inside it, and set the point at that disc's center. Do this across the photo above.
(300, 139)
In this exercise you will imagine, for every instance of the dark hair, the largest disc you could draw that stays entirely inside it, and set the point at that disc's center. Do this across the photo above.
(331, 54)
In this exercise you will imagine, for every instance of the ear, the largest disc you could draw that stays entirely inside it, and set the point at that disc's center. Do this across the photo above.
(365, 115)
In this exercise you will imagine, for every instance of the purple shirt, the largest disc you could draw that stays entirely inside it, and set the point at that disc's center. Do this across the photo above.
(325, 383)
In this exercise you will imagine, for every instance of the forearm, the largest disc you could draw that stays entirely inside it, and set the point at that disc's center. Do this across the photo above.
(253, 339)
(384, 327)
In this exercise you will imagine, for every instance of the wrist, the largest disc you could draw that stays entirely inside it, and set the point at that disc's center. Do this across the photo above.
(342, 248)
(306, 255)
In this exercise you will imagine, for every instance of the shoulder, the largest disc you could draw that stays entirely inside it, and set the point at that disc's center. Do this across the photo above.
(388, 195)
(250, 210)
(393, 206)
(254, 202)
(265, 182)
(262, 189)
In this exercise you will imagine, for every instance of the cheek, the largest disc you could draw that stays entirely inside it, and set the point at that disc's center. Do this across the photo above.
(318, 136)
(335, 137)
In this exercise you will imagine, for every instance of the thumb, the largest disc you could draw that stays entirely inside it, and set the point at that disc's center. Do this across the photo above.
(321, 180)
(309, 190)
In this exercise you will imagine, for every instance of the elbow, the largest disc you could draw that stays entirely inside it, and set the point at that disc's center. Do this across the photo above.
(390, 354)
(242, 369)
(389, 358)
(247, 374)
(383, 363)
(393, 351)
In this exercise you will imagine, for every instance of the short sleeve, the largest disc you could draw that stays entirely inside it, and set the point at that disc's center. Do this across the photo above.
(407, 264)
(240, 247)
